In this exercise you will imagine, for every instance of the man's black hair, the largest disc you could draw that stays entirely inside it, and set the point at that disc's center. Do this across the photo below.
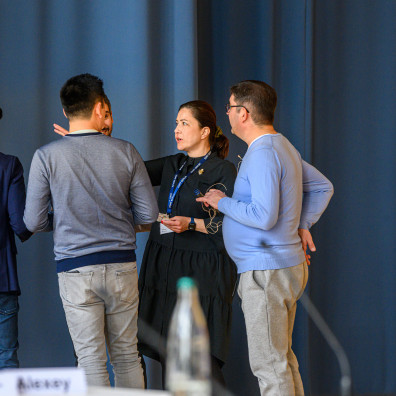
(79, 95)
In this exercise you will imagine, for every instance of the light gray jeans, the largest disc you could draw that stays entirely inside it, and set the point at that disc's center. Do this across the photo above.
(269, 301)
(100, 303)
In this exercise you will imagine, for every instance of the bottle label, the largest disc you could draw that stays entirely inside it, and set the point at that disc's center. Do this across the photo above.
(189, 387)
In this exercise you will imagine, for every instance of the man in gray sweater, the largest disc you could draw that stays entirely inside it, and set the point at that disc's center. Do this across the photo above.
(99, 190)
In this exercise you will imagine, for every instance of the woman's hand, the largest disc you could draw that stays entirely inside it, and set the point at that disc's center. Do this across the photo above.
(177, 224)
(59, 130)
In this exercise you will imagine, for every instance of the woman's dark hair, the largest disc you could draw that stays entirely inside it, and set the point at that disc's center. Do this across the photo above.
(205, 115)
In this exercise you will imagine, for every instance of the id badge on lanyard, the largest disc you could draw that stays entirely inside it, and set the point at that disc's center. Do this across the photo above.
(173, 191)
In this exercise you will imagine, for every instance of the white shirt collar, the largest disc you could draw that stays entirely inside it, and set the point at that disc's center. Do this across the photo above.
(83, 131)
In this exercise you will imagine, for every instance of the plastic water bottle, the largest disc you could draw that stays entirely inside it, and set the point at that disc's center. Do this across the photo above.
(188, 367)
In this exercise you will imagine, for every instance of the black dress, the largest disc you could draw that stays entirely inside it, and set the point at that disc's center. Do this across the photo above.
(168, 257)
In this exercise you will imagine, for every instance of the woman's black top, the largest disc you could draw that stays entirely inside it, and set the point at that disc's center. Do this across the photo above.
(168, 257)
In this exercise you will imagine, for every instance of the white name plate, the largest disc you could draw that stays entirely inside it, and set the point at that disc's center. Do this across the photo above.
(48, 381)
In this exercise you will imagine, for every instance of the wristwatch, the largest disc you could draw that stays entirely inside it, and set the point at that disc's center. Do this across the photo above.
(192, 225)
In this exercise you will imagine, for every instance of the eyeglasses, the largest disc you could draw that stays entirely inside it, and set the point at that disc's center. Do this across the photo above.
(228, 107)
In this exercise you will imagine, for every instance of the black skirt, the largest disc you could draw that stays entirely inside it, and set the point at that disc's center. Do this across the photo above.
(162, 266)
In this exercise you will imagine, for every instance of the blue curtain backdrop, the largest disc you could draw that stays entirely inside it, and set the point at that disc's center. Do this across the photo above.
(333, 64)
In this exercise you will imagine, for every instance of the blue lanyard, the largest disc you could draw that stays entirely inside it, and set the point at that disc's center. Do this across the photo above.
(173, 191)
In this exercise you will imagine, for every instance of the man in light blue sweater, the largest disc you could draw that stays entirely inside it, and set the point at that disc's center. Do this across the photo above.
(277, 196)
(99, 190)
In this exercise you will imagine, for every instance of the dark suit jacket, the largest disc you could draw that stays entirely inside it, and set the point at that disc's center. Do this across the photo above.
(12, 205)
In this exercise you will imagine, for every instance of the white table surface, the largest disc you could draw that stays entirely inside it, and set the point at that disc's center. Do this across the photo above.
(103, 391)
(107, 391)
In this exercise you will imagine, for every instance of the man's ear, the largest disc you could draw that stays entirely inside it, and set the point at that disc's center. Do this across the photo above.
(98, 109)
(244, 114)
(64, 113)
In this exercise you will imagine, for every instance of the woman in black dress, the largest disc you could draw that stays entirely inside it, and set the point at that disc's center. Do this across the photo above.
(188, 241)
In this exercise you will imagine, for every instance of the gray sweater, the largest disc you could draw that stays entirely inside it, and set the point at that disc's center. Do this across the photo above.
(98, 189)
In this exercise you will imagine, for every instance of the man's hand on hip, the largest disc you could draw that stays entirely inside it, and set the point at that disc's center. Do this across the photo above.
(307, 242)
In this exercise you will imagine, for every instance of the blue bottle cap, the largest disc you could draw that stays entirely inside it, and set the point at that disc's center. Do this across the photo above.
(185, 283)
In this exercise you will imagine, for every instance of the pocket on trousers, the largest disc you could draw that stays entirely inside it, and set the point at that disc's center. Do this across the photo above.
(9, 305)
(127, 284)
(305, 279)
(75, 287)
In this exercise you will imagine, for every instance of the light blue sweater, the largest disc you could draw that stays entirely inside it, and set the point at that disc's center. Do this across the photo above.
(275, 193)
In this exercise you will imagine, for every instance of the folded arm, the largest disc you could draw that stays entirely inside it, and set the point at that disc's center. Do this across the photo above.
(317, 192)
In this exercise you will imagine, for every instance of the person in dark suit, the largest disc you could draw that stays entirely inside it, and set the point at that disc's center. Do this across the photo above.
(12, 205)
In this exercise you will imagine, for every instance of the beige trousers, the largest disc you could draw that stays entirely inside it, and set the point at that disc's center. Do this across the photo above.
(269, 301)
(101, 303)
